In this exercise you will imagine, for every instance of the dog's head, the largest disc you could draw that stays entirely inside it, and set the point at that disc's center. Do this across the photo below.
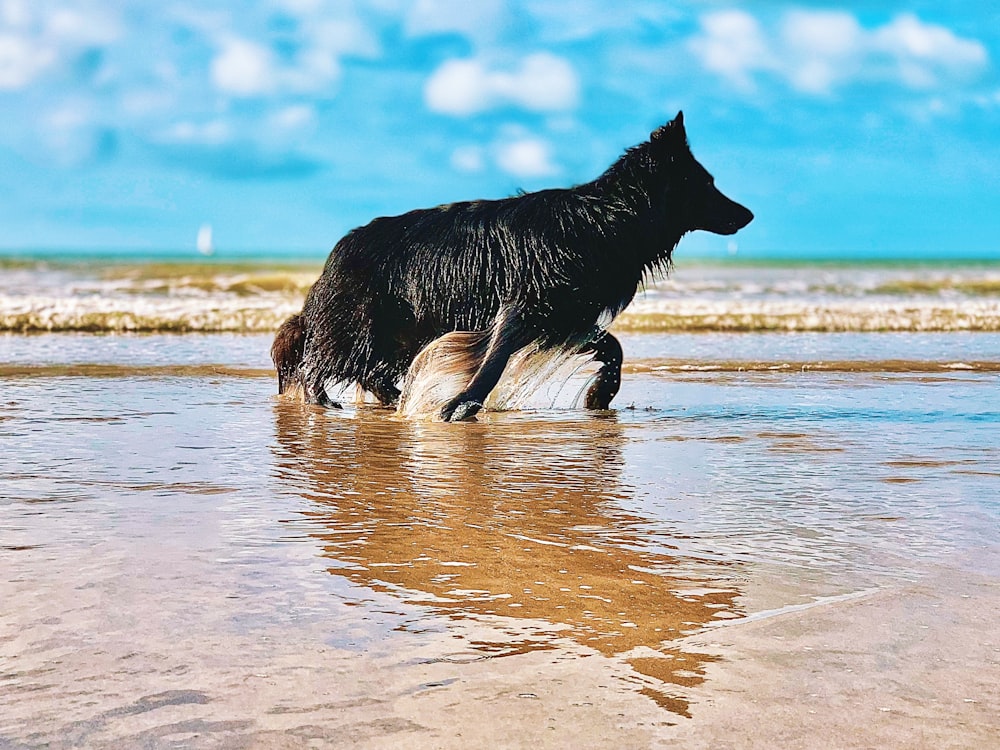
(690, 189)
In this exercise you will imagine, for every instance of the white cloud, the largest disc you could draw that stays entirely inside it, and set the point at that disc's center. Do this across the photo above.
(244, 68)
(480, 21)
(542, 82)
(295, 117)
(213, 132)
(84, 24)
(468, 159)
(324, 34)
(925, 53)
(15, 13)
(516, 152)
(347, 35)
(821, 48)
(285, 123)
(69, 136)
(732, 44)
(526, 157)
(143, 102)
(35, 37)
(458, 87)
(816, 51)
(22, 60)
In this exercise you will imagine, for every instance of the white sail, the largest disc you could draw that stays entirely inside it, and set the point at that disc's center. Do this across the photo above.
(205, 240)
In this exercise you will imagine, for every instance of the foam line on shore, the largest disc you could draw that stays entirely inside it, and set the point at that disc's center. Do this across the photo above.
(820, 601)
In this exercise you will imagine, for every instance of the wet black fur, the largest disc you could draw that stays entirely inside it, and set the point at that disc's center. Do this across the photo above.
(549, 267)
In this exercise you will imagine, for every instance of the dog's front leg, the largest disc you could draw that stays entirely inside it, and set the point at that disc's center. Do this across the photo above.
(608, 351)
(508, 335)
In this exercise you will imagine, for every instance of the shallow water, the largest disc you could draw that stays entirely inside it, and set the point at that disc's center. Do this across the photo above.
(191, 561)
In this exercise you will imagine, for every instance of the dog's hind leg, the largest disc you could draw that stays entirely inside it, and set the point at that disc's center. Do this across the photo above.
(508, 335)
(314, 383)
(608, 351)
(317, 394)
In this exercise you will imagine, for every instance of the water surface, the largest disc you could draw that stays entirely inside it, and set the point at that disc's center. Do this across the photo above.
(189, 560)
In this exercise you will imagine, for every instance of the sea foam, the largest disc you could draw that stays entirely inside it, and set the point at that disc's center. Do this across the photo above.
(192, 297)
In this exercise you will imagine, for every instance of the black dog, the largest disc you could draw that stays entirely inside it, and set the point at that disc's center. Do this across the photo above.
(550, 269)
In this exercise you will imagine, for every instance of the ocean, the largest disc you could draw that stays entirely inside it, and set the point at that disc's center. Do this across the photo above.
(787, 528)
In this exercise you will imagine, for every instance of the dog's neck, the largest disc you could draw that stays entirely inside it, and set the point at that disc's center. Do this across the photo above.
(637, 188)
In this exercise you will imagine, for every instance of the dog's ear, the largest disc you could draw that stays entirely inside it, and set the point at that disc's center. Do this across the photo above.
(672, 130)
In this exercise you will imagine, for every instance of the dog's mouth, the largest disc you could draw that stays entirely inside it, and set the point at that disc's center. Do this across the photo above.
(740, 219)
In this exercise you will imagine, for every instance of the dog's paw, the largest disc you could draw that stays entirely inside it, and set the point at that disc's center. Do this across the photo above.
(457, 411)
(598, 399)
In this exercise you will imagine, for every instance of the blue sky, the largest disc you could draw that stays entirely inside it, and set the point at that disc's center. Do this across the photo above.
(857, 129)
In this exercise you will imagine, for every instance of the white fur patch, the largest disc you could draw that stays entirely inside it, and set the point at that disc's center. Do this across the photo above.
(444, 368)
(531, 370)
(440, 372)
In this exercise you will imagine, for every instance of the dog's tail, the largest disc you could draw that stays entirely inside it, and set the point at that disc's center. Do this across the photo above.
(287, 351)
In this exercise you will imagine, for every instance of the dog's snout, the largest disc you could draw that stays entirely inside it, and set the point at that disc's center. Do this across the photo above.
(733, 220)
(743, 216)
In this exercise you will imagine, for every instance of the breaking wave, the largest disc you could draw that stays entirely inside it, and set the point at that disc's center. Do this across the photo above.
(248, 297)
(806, 315)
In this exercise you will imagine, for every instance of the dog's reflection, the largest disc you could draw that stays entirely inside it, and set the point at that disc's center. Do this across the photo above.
(514, 518)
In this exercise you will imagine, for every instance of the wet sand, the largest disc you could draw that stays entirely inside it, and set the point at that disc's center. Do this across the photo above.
(910, 666)
(734, 558)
